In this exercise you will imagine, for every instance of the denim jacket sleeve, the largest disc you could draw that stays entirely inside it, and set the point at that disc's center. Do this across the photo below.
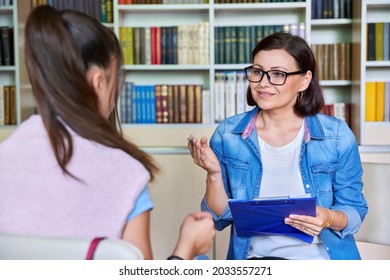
(347, 183)
(336, 170)
(216, 143)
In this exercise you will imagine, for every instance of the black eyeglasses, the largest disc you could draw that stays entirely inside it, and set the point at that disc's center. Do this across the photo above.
(275, 77)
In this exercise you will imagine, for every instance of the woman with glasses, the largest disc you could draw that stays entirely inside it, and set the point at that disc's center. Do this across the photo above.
(285, 147)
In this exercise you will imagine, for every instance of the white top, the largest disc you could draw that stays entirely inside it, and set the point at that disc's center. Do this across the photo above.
(282, 177)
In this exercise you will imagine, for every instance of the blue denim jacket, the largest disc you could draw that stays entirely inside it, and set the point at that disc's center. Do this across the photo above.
(330, 166)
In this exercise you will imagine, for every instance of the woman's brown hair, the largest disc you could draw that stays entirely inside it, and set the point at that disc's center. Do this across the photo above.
(60, 48)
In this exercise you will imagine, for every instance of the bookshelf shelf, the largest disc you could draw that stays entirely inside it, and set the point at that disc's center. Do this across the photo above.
(165, 7)
(377, 72)
(175, 67)
(330, 22)
(262, 6)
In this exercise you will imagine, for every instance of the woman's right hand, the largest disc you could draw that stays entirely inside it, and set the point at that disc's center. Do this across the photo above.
(203, 155)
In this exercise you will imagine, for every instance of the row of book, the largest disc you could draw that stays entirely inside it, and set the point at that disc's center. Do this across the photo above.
(339, 110)
(254, 1)
(102, 10)
(321, 9)
(378, 41)
(234, 44)
(164, 103)
(152, 2)
(128, 2)
(377, 107)
(6, 2)
(185, 44)
(333, 61)
(7, 45)
(230, 90)
(7, 105)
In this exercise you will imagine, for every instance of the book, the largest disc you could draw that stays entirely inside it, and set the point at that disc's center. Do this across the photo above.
(241, 43)
(150, 113)
(170, 104)
(386, 41)
(1, 106)
(198, 103)
(380, 102)
(155, 40)
(173, 53)
(147, 46)
(190, 104)
(371, 41)
(164, 44)
(182, 103)
(191, 44)
(176, 104)
(379, 41)
(7, 45)
(219, 44)
(7, 105)
(206, 35)
(240, 92)
(137, 44)
(370, 107)
(325, 62)
(234, 45)
(134, 104)
(143, 104)
(164, 103)
(230, 93)
(387, 102)
(219, 91)
(158, 102)
(228, 44)
(182, 44)
(206, 106)
(123, 104)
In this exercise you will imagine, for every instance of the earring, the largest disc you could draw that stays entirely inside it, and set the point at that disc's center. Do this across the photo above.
(300, 94)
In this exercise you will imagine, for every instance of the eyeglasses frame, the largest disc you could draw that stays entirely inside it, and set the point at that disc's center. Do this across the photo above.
(269, 78)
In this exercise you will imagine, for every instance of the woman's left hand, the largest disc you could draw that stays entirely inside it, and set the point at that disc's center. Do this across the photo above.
(308, 224)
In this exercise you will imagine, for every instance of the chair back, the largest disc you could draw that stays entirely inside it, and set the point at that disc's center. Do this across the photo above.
(18, 247)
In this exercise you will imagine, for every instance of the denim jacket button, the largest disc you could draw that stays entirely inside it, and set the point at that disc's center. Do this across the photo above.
(307, 186)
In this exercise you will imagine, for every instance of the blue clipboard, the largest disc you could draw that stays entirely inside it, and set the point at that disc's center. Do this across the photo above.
(266, 216)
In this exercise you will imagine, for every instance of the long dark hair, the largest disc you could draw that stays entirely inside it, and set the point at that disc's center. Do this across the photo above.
(312, 99)
(60, 47)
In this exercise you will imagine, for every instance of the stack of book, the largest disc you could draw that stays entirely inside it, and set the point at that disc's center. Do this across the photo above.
(378, 41)
(230, 90)
(164, 103)
(377, 101)
(7, 105)
(152, 2)
(234, 44)
(333, 61)
(7, 45)
(186, 44)
(102, 10)
(321, 9)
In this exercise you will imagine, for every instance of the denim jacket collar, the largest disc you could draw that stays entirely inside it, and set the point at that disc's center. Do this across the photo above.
(248, 123)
